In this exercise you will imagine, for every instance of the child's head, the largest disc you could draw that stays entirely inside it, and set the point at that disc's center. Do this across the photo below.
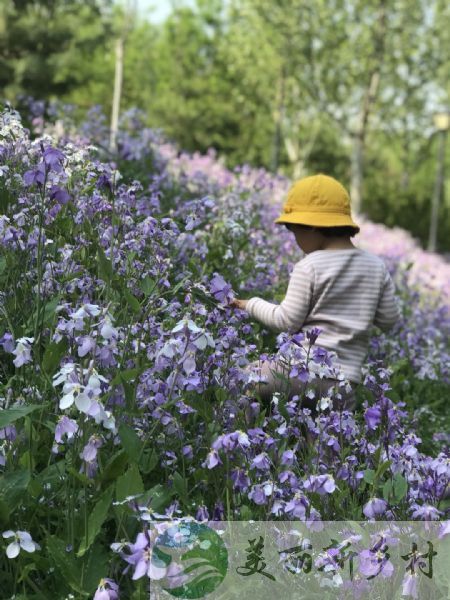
(317, 210)
(310, 238)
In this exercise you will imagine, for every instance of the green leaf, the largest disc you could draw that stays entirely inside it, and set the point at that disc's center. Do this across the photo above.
(221, 395)
(180, 486)
(132, 301)
(128, 375)
(369, 475)
(148, 461)
(96, 519)
(115, 466)
(400, 487)
(130, 442)
(387, 490)
(128, 389)
(13, 414)
(65, 564)
(147, 285)
(53, 354)
(96, 567)
(129, 484)
(105, 269)
(382, 468)
(158, 497)
(49, 310)
(13, 487)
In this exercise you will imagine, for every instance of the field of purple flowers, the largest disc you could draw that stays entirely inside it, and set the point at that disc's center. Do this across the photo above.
(124, 393)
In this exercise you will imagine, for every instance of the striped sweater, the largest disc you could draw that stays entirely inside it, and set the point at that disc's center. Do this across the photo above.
(344, 293)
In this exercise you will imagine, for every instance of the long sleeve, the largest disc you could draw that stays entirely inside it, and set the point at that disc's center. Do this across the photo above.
(388, 312)
(291, 313)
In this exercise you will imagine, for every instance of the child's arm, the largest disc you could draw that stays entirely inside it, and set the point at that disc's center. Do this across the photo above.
(388, 311)
(291, 313)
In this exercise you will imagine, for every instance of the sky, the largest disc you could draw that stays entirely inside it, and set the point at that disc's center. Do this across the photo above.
(157, 10)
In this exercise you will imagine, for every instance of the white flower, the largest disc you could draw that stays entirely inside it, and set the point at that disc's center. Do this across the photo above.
(187, 324)
(74, 392)
(63, 374)
(325, 403)
(107, 331)
(87, 310)
(22, 539)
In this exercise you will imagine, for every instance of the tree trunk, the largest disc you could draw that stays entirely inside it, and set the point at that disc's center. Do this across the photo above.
(278, 119)
(359, 134)
(357, 172)
(117, 94)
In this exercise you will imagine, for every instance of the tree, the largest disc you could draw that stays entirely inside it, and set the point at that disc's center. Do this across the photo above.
(47, 45)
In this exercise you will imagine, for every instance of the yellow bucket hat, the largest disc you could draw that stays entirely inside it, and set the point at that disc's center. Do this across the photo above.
(319, 201)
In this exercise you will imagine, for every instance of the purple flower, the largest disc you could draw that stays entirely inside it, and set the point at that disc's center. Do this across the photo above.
(142, 559)
(261, 462)
(35, 176)
(107, 590)
(313, 334)
(258, 495)
(373, 417)
(59, 194)
(299, 372)
(212, 460)
(202, 514)
(89, 453)
(373, 563)
(297, 506)
(240, 479)
(220, 289)
(53, 158)
(7, 341)
(409, 587)
(22, 351)
(65, 426)
(321, 484)
(426, 512)
(375, 507)
(287, 458)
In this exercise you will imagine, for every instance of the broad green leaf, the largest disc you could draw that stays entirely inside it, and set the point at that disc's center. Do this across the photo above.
(53, 354)
(13, 414)
(148, 461)
(180, 486)
(65, 564)
(129, 484)
(147, 285)
(115, 466)
(400, 487)
(96, 519)
(13, 487)
(49, 310)
(158, 497)
(382, 468)
(105, 269)
(133, 302)
(128, 389)
(127, 376)
(131, 442)
(369, 475)
(95, 567)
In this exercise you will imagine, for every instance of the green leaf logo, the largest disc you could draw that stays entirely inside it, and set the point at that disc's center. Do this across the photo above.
(193, 558)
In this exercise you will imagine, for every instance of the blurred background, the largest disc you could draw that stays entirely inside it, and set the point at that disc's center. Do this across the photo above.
(358, 89)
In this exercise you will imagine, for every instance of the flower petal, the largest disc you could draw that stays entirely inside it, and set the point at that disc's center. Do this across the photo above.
(13, 550)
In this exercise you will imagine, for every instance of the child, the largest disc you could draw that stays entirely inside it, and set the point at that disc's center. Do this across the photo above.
(336, 287)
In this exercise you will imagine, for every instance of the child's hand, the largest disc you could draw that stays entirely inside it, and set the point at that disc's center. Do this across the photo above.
(236, 303)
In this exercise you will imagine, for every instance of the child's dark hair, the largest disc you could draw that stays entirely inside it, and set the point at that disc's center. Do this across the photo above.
(344, 231)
